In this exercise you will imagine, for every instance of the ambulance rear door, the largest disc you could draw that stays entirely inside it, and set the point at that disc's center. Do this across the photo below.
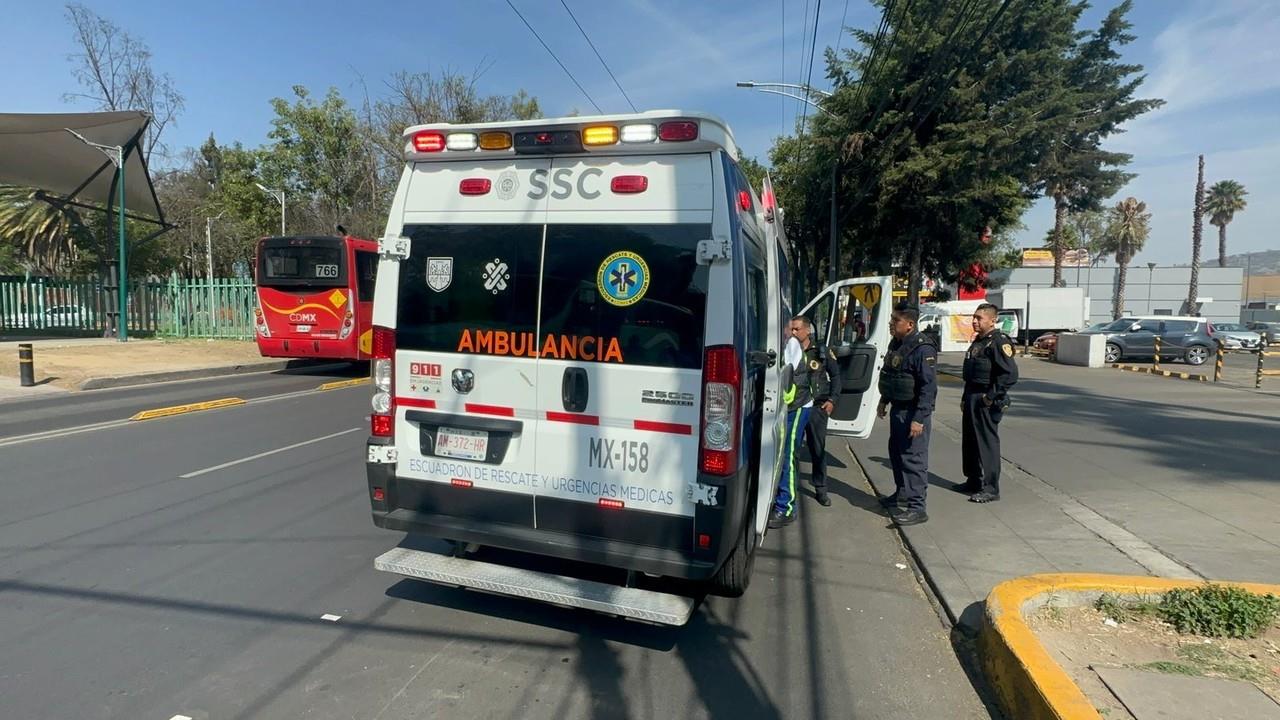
(623, 320)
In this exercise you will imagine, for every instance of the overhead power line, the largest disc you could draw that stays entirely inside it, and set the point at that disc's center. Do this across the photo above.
(553, 57)
(597, 52)
(809, 76)
(840, 32)
(804, 41)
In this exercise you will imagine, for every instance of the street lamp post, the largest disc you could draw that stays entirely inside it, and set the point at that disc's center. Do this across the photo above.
(833, 259)
(115, 153)
(1151, 271)
(279, 195)
(208, 256)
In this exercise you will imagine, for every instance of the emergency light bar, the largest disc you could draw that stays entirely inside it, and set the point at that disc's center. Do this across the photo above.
(566, 136)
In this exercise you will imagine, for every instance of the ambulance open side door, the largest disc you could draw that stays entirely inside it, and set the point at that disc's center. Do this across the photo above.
(851, 317)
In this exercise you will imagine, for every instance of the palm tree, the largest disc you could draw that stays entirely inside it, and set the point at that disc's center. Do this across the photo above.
(1197, 240)
(1126, 234)
(1226, 198)
(44, 235)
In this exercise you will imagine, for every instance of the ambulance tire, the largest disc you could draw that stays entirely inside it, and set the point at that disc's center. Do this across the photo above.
(732, 578)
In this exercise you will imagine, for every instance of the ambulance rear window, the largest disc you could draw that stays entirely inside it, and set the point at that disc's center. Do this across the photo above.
(461, 279)
(640, 284)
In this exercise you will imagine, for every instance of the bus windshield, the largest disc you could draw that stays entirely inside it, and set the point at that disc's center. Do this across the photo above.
(302, 262)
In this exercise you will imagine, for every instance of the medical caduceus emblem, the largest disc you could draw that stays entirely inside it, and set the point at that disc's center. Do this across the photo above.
(623, 278)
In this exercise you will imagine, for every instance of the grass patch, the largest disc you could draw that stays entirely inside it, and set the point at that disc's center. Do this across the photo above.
(1219, 611)
(1213, 660)
(1122, 609)
(1171, 668)
(1209, 610)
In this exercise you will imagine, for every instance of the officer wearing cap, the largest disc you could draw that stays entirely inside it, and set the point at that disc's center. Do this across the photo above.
(989, 372)
(908, 384)
(808, 380)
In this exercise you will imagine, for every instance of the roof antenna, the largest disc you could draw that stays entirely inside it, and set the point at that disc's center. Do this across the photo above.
(342, 230)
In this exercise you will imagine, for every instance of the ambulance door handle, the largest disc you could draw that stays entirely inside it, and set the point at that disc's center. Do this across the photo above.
(574, 389)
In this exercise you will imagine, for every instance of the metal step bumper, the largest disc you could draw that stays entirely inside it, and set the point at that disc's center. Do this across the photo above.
(634, 603)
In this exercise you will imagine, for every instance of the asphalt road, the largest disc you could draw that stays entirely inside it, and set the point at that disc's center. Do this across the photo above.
(130, 591)
(45, 413)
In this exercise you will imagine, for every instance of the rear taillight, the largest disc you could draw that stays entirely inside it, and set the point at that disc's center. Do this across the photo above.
(721, 387)
(382, 422)
(261, 322)
(348, 324)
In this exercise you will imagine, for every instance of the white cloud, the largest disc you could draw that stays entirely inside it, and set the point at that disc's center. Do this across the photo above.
(1217, 51)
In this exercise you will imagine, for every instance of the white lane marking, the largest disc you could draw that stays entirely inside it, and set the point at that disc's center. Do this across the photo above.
(331, 617)
(251, 458)
(180, 717)
(53, 434)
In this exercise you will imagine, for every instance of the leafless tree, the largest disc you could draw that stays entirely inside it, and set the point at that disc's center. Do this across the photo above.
(113, 69)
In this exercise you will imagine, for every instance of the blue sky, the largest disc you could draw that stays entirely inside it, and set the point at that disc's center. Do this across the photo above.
(1216, 62)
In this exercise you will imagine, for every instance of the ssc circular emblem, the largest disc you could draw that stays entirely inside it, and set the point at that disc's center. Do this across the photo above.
(814, 364)
(895, 360)
(508, 184)
(623, 278)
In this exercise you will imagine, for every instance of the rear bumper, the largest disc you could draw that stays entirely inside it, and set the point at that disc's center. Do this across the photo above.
(569, 530)
(302, 347)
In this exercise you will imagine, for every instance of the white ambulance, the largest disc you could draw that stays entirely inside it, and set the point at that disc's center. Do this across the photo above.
(577, 330)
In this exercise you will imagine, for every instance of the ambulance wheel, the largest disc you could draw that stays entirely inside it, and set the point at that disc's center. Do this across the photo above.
(732, 578)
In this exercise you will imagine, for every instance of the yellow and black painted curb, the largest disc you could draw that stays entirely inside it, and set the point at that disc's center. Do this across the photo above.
(1027, 683)
(188, 408)
(1194, 377)
(339, 384)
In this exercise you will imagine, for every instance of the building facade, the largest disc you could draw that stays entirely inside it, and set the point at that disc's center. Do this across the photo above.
(1148, 291)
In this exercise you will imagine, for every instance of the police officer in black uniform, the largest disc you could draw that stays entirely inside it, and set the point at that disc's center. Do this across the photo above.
(989, 372)
(908, 384)
(826, 393)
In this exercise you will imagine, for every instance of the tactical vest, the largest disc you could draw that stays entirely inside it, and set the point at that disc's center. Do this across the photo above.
(810, 378)
(896, 384)
(977, 361)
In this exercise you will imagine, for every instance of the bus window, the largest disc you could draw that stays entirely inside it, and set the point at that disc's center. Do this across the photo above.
(366, 274)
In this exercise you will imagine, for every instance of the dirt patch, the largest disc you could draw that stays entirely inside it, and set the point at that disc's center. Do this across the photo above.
(68, 364)
(1079, 638)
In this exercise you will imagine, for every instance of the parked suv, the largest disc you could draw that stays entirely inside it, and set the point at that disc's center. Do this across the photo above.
(1181, 337)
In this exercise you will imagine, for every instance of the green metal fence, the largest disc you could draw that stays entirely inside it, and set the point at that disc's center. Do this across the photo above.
(177, 307)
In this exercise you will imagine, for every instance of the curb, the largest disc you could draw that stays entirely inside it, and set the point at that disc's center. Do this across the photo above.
(339, 384)
(188, 408)
(1162, 373)
(119, 381)
(1027, 682)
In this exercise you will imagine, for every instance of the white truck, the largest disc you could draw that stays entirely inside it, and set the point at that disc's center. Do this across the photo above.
(1043, 310)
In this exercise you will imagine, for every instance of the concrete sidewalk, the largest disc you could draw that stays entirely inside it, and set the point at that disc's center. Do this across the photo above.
(1104, 472)
(96, 363)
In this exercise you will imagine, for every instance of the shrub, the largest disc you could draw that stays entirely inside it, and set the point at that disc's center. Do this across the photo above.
(1219, 611)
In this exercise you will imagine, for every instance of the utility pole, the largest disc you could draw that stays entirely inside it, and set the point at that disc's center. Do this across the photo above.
(115, 153)
(833, 259)
(208, 256)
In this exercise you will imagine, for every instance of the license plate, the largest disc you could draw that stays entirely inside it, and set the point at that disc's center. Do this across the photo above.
(302, 328)
(462, 444)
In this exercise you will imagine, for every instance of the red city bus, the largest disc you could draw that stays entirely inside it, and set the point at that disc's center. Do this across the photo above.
(315, 297)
